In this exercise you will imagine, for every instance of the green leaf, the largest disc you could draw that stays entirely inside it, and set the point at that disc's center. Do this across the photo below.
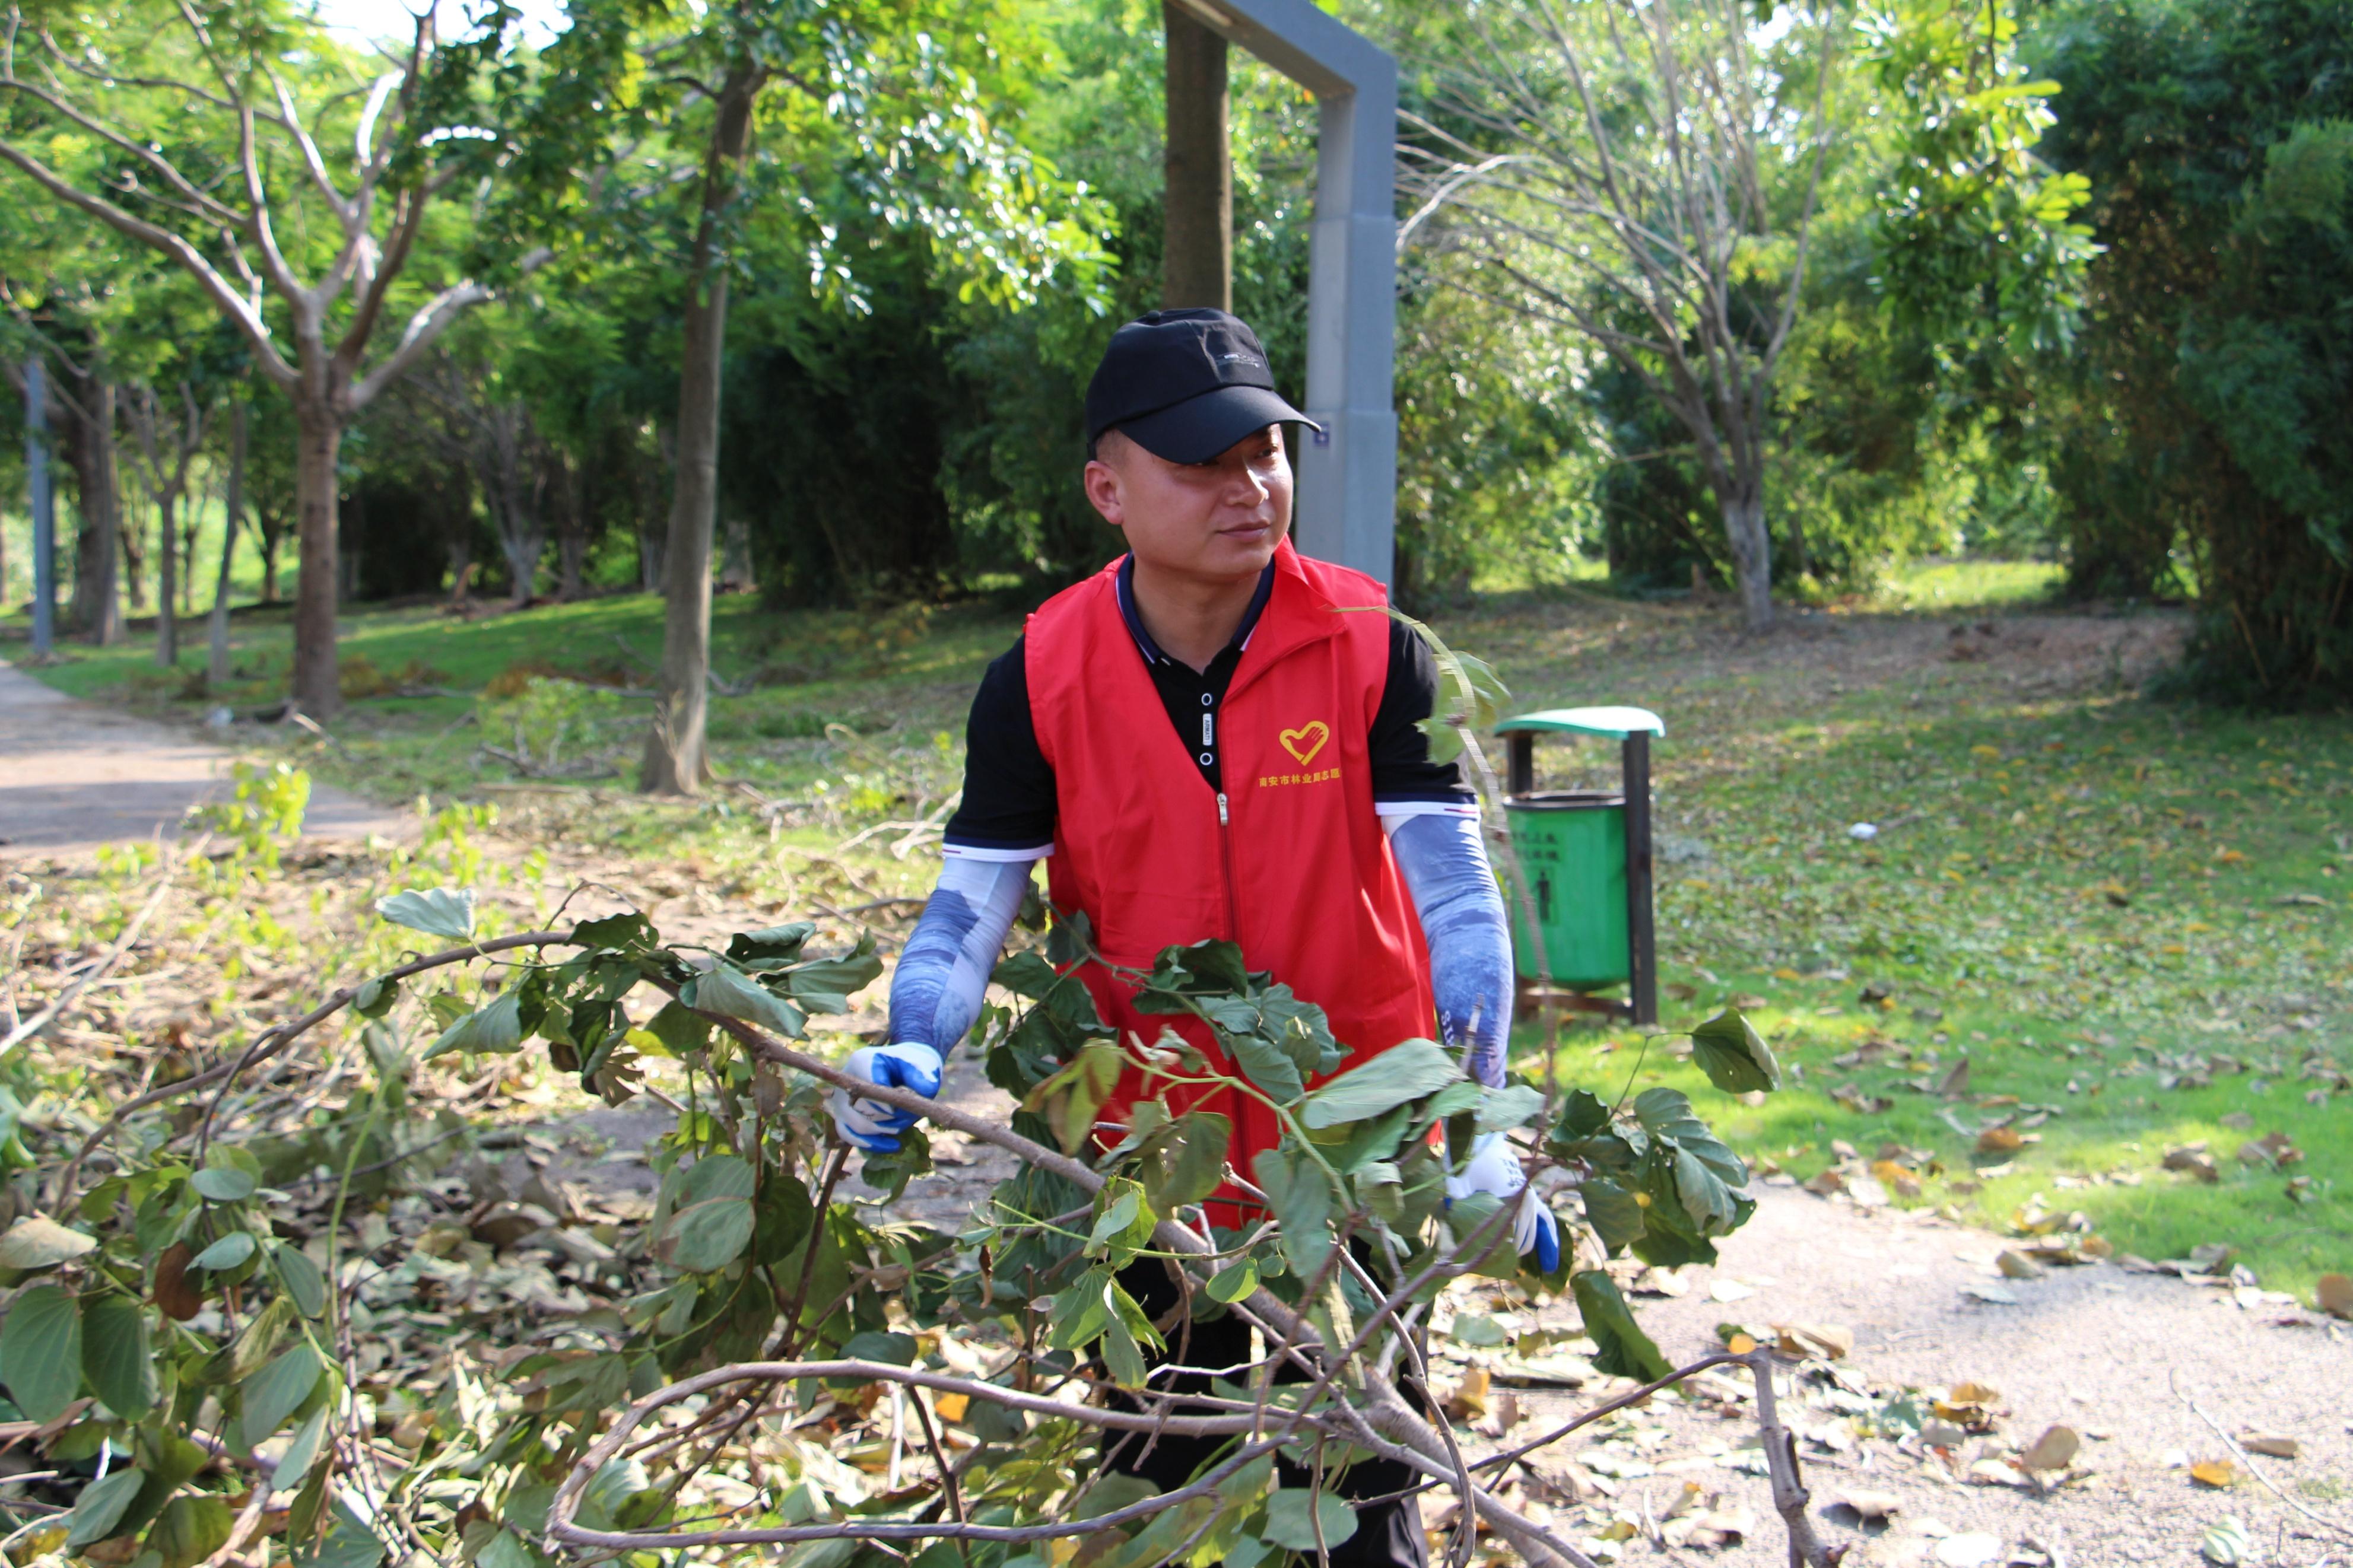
(303, 1282)
(1026, 973)
(1122, 1355)
(876, 1344)
(627, 931)
(1234, 1282)
(1288, 1522)
(704, 1238)
(1624, 1350)
(376, 997)
(1613, 1212)
(189, 1530)
(1735, 1056)
(224, 1183)
(825, 984)
(301, 1452)
(717, 1177)
(115, 1356)
(1501, 1110)
(680, 1031)
(1266, 1064)
(34, 1242)
(1116, 1218)
(100, 1508)
(1197, 1162)
(227, 1253)
(504, 1549)
(732, 993)
(436, 911)
(1302, 1198)
(40, 1351)
(277, 1391)
(492, 1031)
(1406, 1071)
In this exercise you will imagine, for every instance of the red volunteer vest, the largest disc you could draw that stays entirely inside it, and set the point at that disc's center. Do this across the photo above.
(1291, 862)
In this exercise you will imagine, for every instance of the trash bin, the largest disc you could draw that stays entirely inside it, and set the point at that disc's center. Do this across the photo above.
(1586, 855)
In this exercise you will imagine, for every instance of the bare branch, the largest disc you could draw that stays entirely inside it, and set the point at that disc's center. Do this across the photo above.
(428, 324)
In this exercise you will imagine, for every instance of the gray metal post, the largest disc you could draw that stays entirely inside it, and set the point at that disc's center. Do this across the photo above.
(45, 526)
(1347, 503)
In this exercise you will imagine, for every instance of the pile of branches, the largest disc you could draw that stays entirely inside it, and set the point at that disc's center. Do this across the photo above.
(206, 1357)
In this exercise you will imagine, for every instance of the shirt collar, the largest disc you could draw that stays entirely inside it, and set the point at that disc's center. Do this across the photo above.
(1124, 584)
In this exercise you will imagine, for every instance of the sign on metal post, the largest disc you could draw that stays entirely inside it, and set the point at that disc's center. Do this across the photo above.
(1347, 503)
(45, 528)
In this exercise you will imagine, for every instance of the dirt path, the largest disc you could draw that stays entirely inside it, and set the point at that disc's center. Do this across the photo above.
(74, 776)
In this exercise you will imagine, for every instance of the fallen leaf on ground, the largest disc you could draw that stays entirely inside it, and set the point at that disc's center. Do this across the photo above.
(2018, 1266)
(2192, 1160)
(2275, 1149)
(1992, 1295)
(1468, 1402)
(1729, 1290)
(2272, 1444)
(2215, 1473)
(2054, 1450)
(1826, 1183)
(2001, 1141)
(1971, 1550)
(1869, 1505)
(2333, 1295)
(1829, 1341)
(2225, 1543)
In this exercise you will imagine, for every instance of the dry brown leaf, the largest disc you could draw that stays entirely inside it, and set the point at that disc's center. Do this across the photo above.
(1898, 1180)
(2016, 1264)
(1468, 1402)
(2054, 1450)
(1829, 1341)
(2272, 1444)
(1956, 1082)
(1871, 1505)
(2217, 1473)
(951, 1406)
(179, 1299)
(1826, 1183)
(2001, 1141)
(2333, 1295)
(1739, 1343)
(2193, 1160)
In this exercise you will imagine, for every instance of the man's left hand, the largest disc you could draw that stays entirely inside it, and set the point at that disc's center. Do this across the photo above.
(1494, 1168)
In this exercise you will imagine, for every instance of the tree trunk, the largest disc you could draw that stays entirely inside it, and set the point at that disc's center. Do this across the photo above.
(273, 534)
(674, 760)
(96, 609)
(232, 513)
(130, 529)
(318, 436)
(1752, 554)
(167, 579)
(1197, 254)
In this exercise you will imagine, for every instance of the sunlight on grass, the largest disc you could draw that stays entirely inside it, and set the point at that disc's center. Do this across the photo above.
(1935, 585)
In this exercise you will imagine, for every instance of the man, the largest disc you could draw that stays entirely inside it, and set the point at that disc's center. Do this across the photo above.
(1200, 743)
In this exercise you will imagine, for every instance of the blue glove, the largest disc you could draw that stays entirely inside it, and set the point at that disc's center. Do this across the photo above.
(870, 1124)
(1494, 1168)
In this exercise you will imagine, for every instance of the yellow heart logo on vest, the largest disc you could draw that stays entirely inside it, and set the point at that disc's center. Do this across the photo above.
(1306, 740)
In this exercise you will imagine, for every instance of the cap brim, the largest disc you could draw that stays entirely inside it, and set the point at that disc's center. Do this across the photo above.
(1198, 428)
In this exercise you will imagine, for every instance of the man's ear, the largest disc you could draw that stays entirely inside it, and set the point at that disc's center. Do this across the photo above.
(1105, 491)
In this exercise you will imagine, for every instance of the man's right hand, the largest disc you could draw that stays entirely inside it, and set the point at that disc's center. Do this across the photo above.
(872, 1125)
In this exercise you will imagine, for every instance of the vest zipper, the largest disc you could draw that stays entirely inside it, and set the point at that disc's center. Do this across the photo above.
(1226, 855)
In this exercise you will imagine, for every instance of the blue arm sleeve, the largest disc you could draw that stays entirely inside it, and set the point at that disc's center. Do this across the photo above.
(1461, 910)
(936, 991)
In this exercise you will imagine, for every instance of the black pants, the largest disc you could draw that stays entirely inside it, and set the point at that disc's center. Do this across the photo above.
(1388, 1534)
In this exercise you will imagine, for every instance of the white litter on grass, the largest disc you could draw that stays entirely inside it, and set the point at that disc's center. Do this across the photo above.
(1863, 831)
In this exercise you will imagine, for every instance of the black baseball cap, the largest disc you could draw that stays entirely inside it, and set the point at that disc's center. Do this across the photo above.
(1185, 386)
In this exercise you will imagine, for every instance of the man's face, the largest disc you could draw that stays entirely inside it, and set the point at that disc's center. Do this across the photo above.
(1219, 520)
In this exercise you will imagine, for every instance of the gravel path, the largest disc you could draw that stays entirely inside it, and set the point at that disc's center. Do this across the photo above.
(74, 776)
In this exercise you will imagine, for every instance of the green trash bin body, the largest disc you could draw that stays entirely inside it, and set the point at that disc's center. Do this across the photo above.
(1572, 845)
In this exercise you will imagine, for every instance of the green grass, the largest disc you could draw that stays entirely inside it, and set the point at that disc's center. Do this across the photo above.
(1944, 586)
(2079, 889)
(2079, 892)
